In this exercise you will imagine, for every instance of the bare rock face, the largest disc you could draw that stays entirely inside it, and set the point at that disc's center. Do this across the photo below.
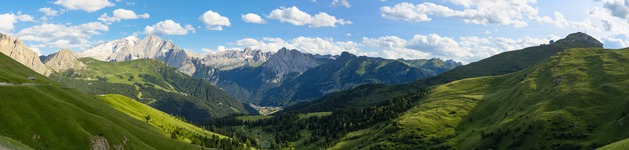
(99, 143)
(151, 47)
(15, 48)
(230, 59)
(580, 38)
(63, 60)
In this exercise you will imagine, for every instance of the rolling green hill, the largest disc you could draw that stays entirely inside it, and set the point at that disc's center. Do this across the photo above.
(577, 99)
(40, 114)
(503, 63)
(156, 84)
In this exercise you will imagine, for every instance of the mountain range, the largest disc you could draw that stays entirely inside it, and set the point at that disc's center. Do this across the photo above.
(565, 95)
(568, 94)
(500, 64)
(265, 78)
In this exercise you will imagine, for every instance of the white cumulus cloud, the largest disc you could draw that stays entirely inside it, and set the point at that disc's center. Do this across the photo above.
(314, 45)
(466, 49)
(9, 19)
(341, 3)
(214, 21)
(295, 16)
(88, 6)
(62, 36)
(49, 11)
(252, 18)
(511, 13)
(121, 14)
(168, 27)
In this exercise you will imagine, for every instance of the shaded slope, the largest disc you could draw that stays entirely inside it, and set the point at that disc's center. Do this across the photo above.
(251, 83)
(575, 100)
(156, 84)
(349, 71)
(500, 64)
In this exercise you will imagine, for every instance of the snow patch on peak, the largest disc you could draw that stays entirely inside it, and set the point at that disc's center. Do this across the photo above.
(132, 38)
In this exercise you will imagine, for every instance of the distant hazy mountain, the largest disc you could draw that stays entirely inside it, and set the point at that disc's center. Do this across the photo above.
(251, 83)
(230, 59)
(348, 71)
(153, 47)
(15, 48)
(289, 76)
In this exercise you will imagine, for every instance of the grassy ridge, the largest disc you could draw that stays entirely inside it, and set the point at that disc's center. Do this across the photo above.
(154, 117)
(47, 116)
(156, 84)
(575, 100)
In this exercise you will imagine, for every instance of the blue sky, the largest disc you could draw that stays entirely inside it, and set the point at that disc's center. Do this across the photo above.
(463, 30)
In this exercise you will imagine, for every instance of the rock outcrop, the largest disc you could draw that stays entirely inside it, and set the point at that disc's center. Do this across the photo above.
(16, 49)
(581, 39)
(63, 60)
(284, 62)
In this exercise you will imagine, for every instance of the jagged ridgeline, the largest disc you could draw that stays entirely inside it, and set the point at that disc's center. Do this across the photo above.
(271, 78)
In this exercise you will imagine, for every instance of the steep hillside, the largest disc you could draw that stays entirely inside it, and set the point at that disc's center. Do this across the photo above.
(574, 100)
(156, 84)
(348, 71)
(41, 115)
(500, 64)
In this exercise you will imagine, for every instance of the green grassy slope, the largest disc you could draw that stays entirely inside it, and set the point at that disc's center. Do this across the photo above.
(503, 63)
(47, 116)
(623, 144)
(575, 100)
(154, 83)
(154, 117)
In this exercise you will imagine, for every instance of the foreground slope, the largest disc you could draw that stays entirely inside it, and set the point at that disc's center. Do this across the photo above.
(156, 84)
(575, 100)
(41, 115)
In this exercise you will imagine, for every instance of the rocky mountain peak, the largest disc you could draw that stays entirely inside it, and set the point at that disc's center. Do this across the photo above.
(15, 48)
(581, 37)
(152, 38)
(286, 61)
(346, 56)
(63, 60)
(248, 50)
